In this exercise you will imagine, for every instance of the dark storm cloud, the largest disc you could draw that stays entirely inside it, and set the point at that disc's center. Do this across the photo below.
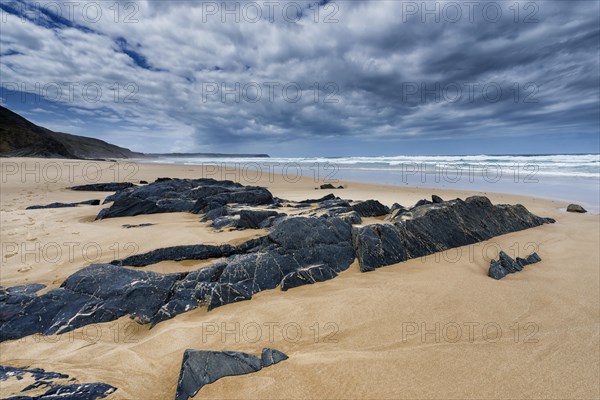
(385, 71)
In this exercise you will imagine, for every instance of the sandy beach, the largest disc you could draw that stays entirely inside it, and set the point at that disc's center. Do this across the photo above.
(429, 328)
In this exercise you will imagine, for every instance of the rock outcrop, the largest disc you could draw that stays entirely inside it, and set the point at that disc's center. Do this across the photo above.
(104, 292)
(57, 388)
(183, 195)
(303, 249)
(429, 228)
(65, 205)
(507, 265)
(201, 367)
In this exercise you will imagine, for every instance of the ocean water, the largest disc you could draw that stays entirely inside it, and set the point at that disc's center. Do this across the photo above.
(571, 178)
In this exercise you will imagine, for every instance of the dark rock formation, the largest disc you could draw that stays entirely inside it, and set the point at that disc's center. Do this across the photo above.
(183, 195)
(294, 244)
(65, 205)
(143, 182)
(370, 208)
(104, 292)
(98, 293)
(436, 199)
(309, 275)
(423, 202)
(327, 186)
(103, 187)
(506, 265)
(576, 208)
(253, 219)
(298, 250)
(201, 367)
(271, 357)
(430, 228)
(74, 391)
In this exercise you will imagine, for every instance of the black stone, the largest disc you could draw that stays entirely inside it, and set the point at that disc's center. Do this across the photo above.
(65, 205)
(506, 265)
(576, 208)
(327, 186)
(143, 182)
(370, 208)
(202, 367)
(436, 199)
(103, 187)
(431, 228)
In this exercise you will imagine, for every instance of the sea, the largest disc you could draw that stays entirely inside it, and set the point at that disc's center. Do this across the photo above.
(573, 178)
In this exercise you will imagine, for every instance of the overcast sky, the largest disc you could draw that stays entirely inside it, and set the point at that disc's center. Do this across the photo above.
(304, 78)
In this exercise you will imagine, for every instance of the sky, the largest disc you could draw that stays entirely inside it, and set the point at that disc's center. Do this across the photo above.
(300, 78)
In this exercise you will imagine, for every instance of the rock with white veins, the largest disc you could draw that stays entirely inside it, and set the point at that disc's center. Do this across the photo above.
(431, 227)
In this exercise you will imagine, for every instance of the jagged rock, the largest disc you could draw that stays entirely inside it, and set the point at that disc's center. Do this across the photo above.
(183, 195)
(74, 391)
(341, 187)
(103, 187)
(65, 205)
(143, 182)
(436, 199)
(436, 227)
(294, 244)
(252, 219)
(271, 357)
(506, 265)
(576, 208)
(423, 202)
(202, 367)
(370, 208)
(98, 293)
(310, 275)
(496, 270)
(327, 186)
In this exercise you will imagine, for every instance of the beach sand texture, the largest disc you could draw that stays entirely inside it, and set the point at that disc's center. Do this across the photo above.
(429, 328)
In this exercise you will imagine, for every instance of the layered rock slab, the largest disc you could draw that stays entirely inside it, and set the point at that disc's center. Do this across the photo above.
(201, 367)
(433, 227)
